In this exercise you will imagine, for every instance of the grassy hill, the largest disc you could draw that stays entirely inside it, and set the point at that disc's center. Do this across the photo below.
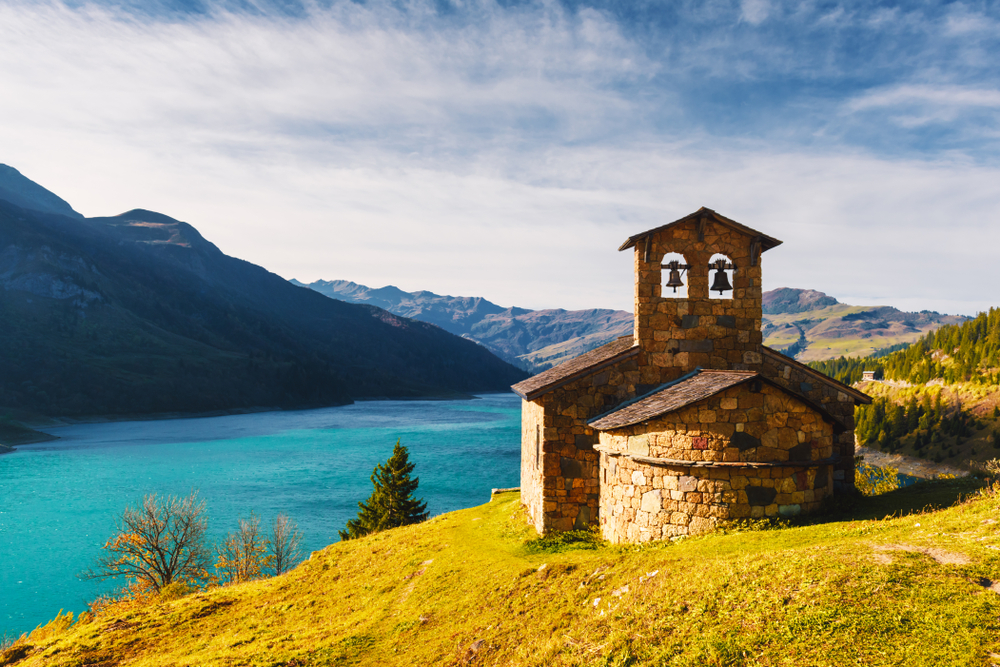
(478, 587)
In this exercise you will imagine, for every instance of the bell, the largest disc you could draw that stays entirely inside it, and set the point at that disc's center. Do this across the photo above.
(720, 283)
(675, 275)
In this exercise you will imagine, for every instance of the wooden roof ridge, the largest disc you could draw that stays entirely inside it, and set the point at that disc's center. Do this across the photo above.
(822, 377)
(585, 364)
(687, 390)
(766, 242)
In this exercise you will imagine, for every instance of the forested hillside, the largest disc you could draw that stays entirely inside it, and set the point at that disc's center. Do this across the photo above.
(967, 352)
(937, 399)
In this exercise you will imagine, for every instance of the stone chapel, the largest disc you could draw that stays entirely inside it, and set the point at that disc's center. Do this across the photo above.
(691, 420)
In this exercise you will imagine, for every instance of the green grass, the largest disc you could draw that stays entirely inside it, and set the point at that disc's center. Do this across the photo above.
(479, 587)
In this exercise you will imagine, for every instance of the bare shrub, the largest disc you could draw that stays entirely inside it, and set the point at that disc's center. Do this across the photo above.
(243, 554)
(286, 545)
(989, 468)
(156, 543)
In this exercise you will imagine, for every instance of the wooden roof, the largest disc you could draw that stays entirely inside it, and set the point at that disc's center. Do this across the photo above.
(692, 388)
(766, 242)
(858, 396)
(577, 367)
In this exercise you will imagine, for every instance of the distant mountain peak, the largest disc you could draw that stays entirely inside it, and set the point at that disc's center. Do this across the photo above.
(21, 191)
(790, 300)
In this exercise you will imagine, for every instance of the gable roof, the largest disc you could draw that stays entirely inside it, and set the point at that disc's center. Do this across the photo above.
(766, 242)
(858, 396)
(577, 367)
(688, 390)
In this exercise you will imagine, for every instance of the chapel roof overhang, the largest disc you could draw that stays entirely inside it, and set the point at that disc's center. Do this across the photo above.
(766, 242)
(577, 367)
(858, 396)
(692, 388)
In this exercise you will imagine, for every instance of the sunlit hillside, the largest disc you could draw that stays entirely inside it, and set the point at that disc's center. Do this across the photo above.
(895, 584)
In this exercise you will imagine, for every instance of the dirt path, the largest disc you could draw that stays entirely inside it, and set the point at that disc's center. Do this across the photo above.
(909, 465)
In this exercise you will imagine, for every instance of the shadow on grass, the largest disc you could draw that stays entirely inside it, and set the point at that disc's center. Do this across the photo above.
(572, 540)
(924, 495)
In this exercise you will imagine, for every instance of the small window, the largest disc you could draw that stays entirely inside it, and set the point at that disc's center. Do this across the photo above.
(538, 446)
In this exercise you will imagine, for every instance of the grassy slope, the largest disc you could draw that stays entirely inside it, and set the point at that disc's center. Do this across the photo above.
(469, 586)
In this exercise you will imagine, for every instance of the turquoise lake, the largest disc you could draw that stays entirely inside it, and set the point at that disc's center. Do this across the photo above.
(59, 500)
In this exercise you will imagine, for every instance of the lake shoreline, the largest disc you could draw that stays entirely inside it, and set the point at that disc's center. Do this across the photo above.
(38, 423)
(59, 501)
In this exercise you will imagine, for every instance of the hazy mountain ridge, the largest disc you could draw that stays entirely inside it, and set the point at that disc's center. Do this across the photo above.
(531, 339)
(807, 324)
(22, 191)
(138, 313)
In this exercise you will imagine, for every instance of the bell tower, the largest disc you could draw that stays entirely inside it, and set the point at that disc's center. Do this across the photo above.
(679, 331)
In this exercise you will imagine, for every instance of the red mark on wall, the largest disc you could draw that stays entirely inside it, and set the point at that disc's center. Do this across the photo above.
(802, 481)
(699, 442)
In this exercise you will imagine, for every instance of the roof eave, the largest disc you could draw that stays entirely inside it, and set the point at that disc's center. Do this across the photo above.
(541, 391)
(860, 396)
(839, 427)
(767, 242)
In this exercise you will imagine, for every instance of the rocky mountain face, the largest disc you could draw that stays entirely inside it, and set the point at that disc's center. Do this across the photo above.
(787, 300)
(805, 324)
(138, 314)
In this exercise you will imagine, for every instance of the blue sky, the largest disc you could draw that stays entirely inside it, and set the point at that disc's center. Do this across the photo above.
(506, 149)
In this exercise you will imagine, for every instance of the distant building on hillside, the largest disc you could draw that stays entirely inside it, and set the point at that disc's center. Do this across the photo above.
(690, 420)
(867, 376)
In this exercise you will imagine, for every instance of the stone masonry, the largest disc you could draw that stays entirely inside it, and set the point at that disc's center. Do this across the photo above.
(566, 483)
(738, 454)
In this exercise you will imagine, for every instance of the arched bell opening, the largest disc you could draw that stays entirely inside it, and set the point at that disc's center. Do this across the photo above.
(722, 277)
(673, 272)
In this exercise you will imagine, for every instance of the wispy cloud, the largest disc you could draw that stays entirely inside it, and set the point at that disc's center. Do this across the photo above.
(955, 97)
(507, 151)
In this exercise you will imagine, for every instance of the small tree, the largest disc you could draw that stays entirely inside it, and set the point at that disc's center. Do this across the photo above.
(286, 541)
(391, 504)
(243, 554)
(157, 543)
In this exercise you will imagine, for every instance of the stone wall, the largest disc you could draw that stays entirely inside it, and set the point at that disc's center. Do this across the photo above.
(790, 374)
(567, 496)
(644, 500)
(532, 483)
(681, 334)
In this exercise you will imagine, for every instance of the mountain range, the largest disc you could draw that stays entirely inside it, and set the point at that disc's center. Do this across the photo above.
(805, 324)
(137, 314)
(532, 339)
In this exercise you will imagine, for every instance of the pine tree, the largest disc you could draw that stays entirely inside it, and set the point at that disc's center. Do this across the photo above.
(392, 503)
